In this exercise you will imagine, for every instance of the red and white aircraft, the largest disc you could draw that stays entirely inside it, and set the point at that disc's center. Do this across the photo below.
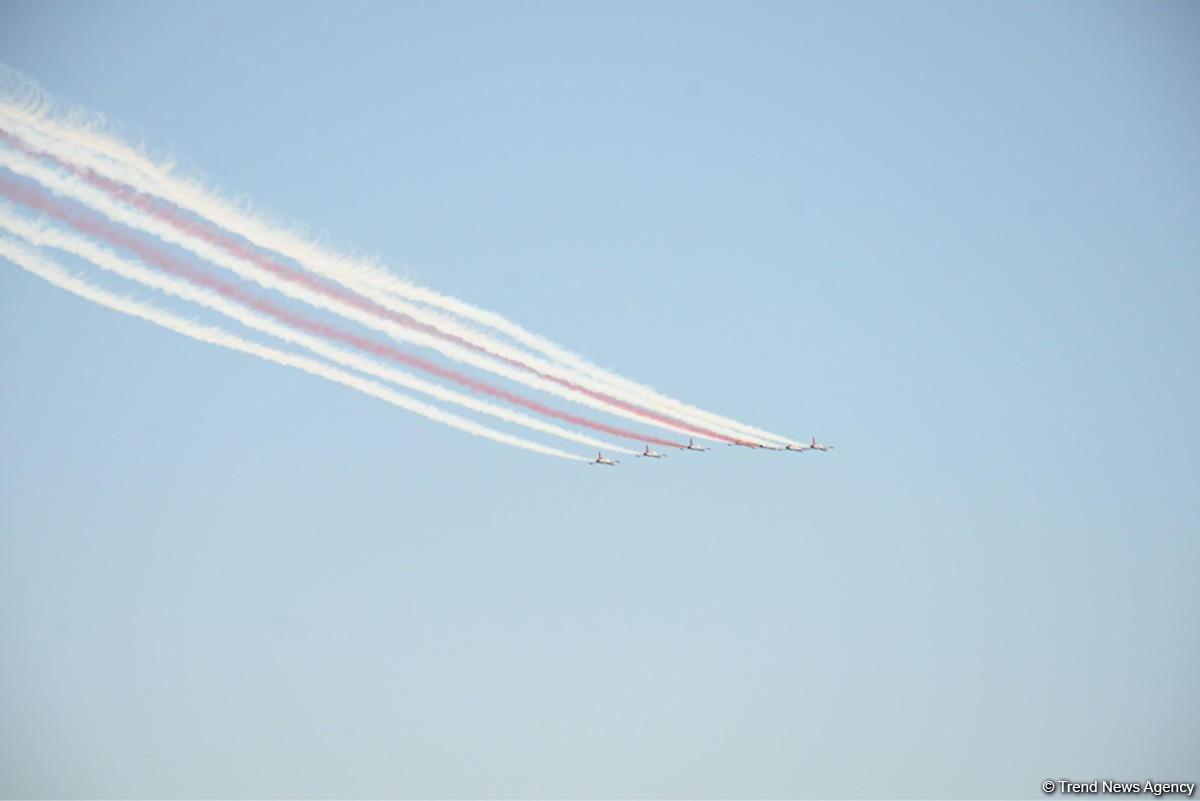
(692, 446)
(649, 454)
(601, 460)
(745, 444)
(813, 446)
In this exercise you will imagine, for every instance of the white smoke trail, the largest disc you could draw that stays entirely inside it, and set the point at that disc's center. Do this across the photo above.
(74, 188)
(78, 141)
(43, 235)
(607, 386)
(48, 270)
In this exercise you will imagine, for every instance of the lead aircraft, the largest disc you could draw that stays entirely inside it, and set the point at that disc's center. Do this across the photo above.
(813, 446)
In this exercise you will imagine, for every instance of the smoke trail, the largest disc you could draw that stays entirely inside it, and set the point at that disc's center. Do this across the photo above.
(56, 275)
(116, 160)
(36, 199)
(400, 312)
(94, 199)
(406, 315)
(41, 235)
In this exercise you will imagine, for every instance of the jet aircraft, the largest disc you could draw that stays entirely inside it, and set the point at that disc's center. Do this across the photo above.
(813, 446)
(601, 460)
(745, 444)
(692, 446)
(649, 454)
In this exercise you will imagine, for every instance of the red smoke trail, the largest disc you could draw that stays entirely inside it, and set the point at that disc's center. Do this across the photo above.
(88, 224)
(166, 212)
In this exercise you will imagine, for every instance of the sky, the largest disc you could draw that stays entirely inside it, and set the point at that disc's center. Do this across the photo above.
(959, 241)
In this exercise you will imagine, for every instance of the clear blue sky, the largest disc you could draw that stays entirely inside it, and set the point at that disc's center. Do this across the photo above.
(959, 240)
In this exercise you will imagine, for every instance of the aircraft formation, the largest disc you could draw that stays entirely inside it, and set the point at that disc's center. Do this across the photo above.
(692, 446)
(175, 254)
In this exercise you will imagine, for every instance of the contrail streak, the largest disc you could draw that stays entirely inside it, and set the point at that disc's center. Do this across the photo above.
(80, 143)
(56, 275)
(42, 235)
(76, 190)
(36, 199)
(400, 312)
(254, 266)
